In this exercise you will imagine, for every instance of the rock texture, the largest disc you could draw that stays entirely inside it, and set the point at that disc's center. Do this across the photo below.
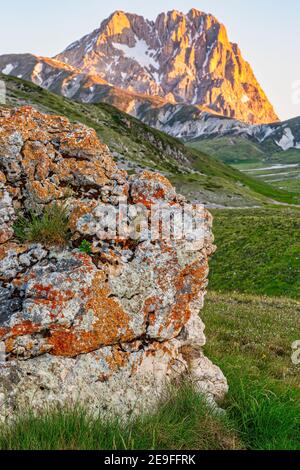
(179, 58)
(108, 329)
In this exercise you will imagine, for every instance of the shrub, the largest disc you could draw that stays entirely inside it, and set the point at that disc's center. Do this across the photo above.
(86, 247)
(50, 228)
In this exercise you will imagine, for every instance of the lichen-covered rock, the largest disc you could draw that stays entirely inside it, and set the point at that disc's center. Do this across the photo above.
(109, 328)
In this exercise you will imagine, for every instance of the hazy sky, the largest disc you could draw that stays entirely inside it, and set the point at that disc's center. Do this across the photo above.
(267, 32)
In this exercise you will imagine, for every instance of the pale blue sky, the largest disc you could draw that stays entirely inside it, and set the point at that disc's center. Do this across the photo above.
(267, 32)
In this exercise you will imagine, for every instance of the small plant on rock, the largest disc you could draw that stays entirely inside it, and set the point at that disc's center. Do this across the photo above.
(49, 228)
(86, 247)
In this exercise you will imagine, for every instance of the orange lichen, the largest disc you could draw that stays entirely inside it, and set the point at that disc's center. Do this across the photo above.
(25, 328)
(117, 360)
(45, 191)
(79, 211)
(109, 326)
(13, 247)
(156, 177)
(6, 234)
(150, 306)
(152, 187)
(82, 138)
(2, 177)
(36, 160)
(67, 170)
(191, 280)
(3, 332)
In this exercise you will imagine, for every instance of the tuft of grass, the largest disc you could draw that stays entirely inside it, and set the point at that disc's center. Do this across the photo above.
(49, 228)
(266, 414)
(183, 422)
(85, 247)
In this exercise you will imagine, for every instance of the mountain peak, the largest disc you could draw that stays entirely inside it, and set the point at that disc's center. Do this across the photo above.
(179, 58)
(184, 58)
(194, 13)
(117, 21)
(117, 13)
(173, 14)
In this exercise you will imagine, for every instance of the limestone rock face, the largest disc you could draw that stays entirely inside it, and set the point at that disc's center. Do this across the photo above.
(140, 66)
(111, 328)
(181, 57)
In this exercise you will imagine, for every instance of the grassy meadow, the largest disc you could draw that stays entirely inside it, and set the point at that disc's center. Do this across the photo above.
(249, 335)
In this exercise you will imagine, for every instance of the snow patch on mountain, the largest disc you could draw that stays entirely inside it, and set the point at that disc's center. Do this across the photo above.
(141, 53)
(8, 69)
(287, 140)
(208, 55)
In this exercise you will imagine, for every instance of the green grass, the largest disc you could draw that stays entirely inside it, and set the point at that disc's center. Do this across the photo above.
(85, 247)
(231, 150)
(242, 150)
(292, 185)
(50, 228)
(184, 421)
(258, 251)
(250, 338)
(244, 154)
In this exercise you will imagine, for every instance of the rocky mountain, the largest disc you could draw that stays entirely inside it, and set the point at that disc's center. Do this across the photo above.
(281, 139)
(72, 83)
(189, 123)
(182, 58)
(151, 69)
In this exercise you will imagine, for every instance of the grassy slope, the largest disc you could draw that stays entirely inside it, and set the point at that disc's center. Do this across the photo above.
(244, 154)
(242, 150)
(199, 176)
(231, 149)
(258, 251)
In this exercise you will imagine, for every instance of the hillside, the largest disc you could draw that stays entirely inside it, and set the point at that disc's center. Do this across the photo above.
(136, 145)
(258, 252)
(269, 152)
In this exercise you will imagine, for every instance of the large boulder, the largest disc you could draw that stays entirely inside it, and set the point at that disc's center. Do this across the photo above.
(109, 328)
